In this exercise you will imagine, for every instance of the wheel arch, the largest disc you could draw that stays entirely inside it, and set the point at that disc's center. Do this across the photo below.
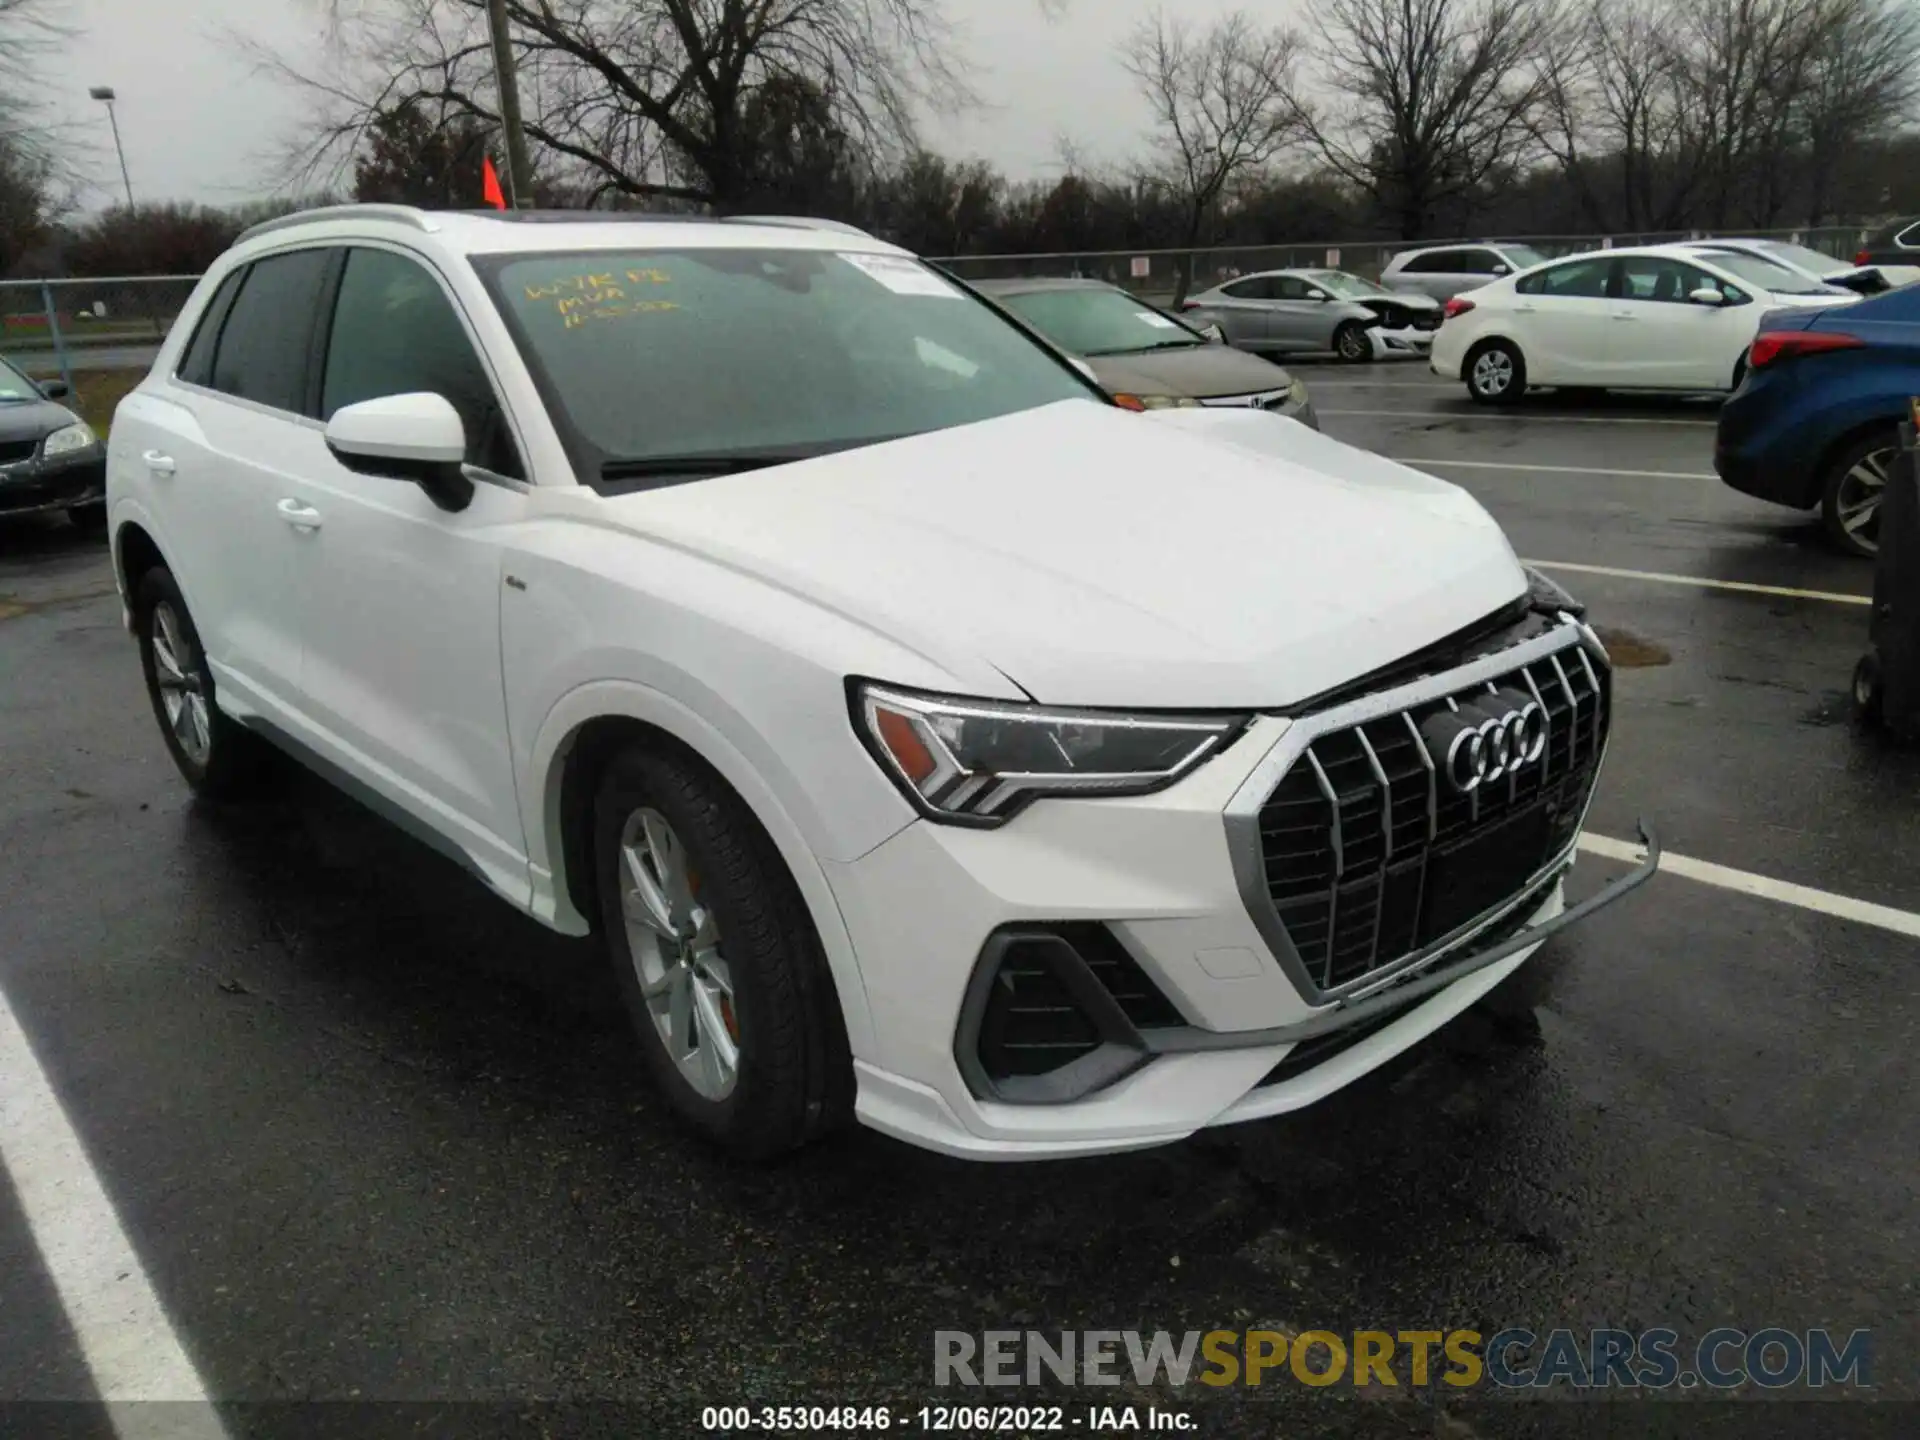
(584, 731)
(1833, 449)
(135, 552)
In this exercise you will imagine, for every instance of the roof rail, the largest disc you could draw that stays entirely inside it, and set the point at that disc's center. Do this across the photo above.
(404, 214)
(801, 222)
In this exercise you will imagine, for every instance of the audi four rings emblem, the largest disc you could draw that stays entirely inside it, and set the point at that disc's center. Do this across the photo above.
(1486, 740)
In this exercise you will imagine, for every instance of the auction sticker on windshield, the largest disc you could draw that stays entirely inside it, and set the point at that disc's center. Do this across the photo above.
(901, 275)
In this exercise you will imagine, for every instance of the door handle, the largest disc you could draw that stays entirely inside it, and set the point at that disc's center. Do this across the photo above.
(1526, 309)
(298, 515)
(1624, 315)
(157, 463)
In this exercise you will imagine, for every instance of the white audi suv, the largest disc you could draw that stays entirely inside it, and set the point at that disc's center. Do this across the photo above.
(929, 739)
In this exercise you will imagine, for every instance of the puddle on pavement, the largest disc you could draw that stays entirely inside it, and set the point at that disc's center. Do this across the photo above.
(1630, 651)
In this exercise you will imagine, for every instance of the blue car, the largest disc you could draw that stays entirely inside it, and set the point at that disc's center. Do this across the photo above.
(1814, 422)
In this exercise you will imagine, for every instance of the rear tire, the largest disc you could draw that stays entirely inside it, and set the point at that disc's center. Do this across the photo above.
(1851, 489)
(1867, 691)
(1351, 344)
(1496, 373)
(216, 756)
(716, 958)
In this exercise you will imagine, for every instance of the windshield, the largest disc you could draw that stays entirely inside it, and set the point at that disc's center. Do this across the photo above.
(1523, 257)
(1801, 258)
(14, 386)
(650, 359)
(1347, 287)
(1766, 274)
(1099, 322)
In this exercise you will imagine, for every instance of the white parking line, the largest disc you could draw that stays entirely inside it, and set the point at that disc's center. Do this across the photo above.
(1530, 419)
(1864, 912)
(1556, 469)
(129, 1345)
(1837, 597)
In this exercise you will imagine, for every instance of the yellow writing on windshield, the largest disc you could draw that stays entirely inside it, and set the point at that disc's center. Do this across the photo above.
(578, 313)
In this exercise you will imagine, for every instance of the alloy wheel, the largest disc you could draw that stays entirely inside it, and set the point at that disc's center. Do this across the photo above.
(1493, 372)
(1860, 493)
(176, 671)
(1353, 345)
(674, 941)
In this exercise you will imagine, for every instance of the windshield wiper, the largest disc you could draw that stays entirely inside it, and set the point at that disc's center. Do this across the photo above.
(1146, 349)
(679, 467)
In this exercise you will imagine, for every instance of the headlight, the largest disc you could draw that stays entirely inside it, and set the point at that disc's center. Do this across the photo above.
(69, 438)
(1156, 402)
(1297, 393)
(977, 762)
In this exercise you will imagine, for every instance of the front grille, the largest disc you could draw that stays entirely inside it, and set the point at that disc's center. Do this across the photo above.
(1371, 857)
(1426, 321)
(12, 452)
(1033, 1025)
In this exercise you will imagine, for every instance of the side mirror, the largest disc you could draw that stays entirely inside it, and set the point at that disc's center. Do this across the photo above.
(417, 438)
(1706, 295)
(55, 389)
(1318, 295)
(1502, 270)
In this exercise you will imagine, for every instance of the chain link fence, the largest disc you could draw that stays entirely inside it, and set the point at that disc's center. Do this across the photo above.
(69, 328)
(1153, 274)
(66, 329)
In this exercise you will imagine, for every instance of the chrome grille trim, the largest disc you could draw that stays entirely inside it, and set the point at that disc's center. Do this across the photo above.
(1570, 641)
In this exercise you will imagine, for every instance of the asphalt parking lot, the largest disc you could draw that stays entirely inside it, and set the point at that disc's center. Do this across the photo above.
(372, 1137)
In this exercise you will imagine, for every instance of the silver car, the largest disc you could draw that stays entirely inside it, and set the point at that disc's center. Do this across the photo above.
(1317, 310)
(1444, 271)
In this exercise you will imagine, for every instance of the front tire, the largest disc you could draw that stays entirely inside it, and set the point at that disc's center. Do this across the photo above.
(216, 757)
(716, 958)
(1852, 488)
(1496, 373)
(1351, 344)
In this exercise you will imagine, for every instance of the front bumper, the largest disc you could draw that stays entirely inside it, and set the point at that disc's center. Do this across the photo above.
(1159, 874)
(33, 486)
(1408, 341)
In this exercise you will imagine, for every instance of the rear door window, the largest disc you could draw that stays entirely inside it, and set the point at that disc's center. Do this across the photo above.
(1577, 279)
(1437, 262)
(1258, 287)
(196, 366)
(266, 344)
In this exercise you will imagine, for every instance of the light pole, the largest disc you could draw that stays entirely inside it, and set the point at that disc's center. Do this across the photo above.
(104, 93)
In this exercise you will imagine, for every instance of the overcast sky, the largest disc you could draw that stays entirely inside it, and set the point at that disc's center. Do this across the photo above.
(199, 125)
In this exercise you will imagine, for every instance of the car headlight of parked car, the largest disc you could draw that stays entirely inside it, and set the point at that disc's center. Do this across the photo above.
(977, 762)
(1155, 402)
(69, 439)
(1297, 392)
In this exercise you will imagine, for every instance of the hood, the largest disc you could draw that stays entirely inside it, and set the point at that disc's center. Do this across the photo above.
(1406, 299)
(32, 419)
(1201, 371)
(1210, 559)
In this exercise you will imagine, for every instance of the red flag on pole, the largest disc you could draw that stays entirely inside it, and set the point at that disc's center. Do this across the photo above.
(490, 184)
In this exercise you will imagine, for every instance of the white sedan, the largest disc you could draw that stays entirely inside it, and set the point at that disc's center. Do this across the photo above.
(1665, 317)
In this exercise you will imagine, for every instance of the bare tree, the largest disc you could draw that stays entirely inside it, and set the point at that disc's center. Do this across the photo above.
(1434, 97)
(1617, 116)
(633, 97)
(1860, 84)
(31, 32)
(1222, 108)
